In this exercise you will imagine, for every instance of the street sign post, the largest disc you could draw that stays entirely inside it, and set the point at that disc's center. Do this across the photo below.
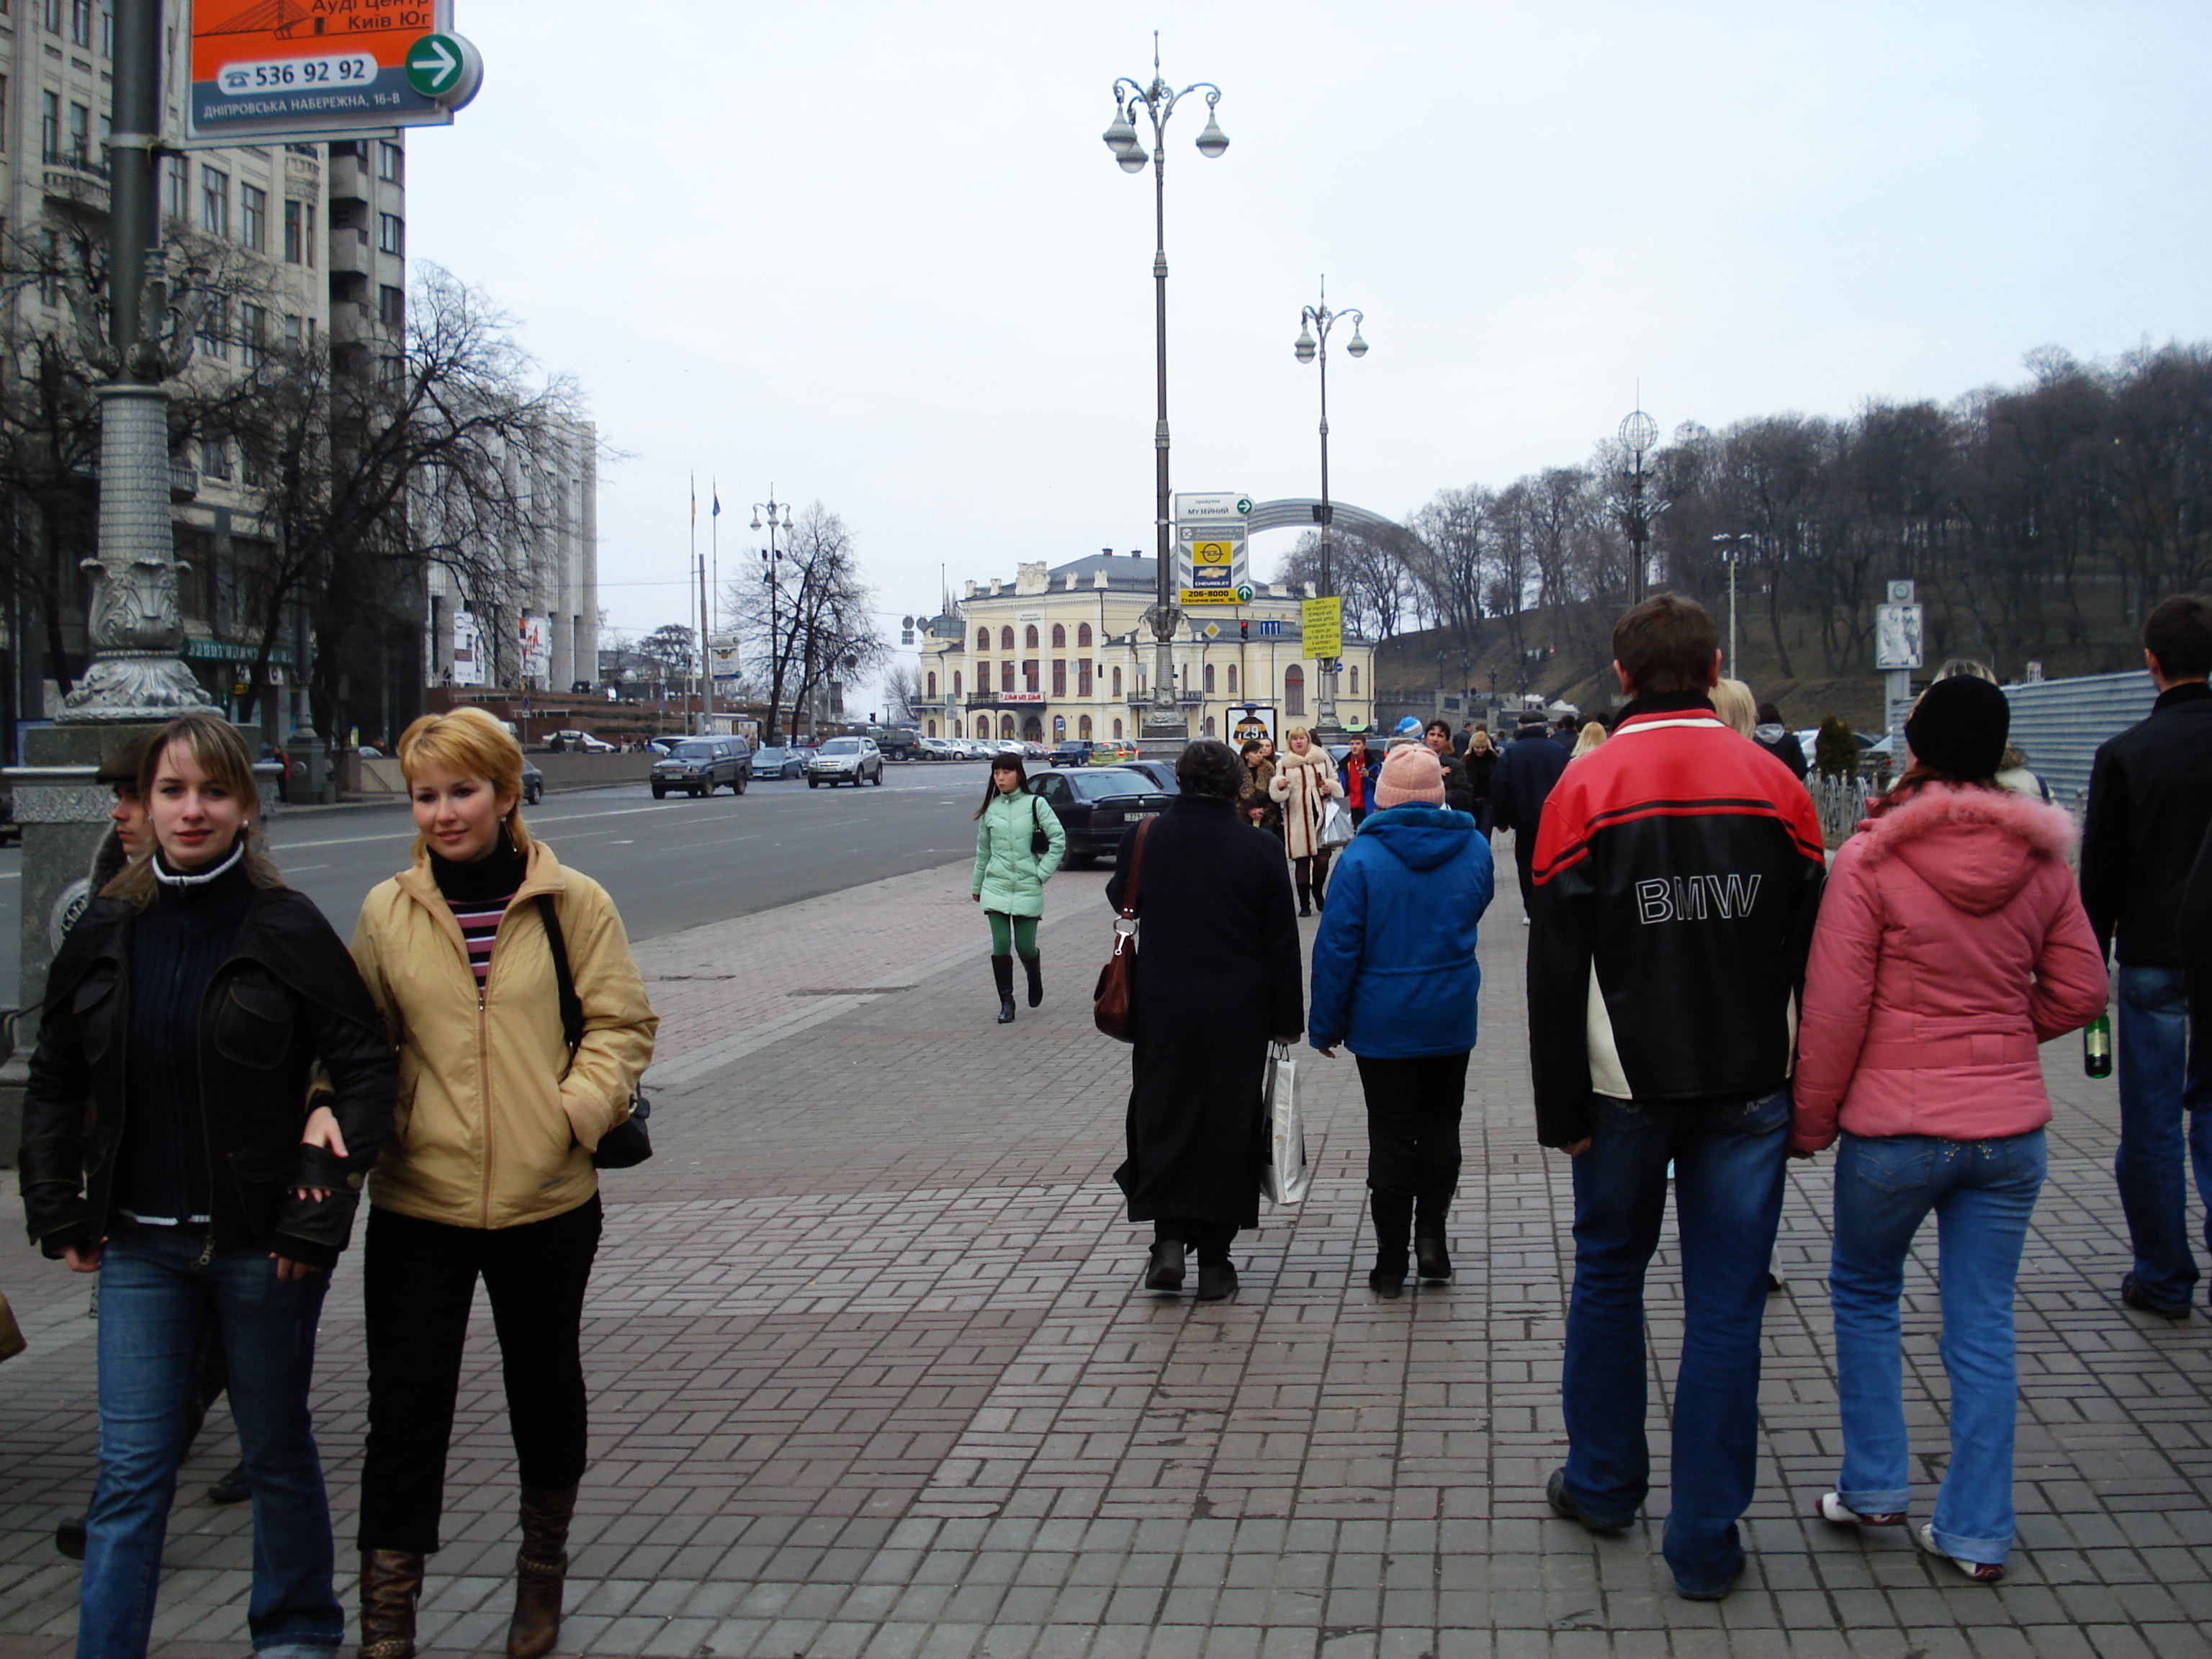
(266, 71)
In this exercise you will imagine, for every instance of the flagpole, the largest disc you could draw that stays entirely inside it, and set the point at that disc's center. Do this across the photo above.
(690, 560)
(714, 582)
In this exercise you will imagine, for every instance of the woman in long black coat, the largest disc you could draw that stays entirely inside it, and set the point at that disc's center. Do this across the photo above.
(1218, 975)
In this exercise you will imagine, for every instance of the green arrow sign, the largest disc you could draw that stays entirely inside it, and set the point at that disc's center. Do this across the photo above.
(434, 64)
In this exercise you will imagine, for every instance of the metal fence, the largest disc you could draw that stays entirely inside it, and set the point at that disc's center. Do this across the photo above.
(1841, 802)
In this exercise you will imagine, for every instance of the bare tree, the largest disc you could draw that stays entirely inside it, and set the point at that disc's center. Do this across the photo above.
(901, 684)
(807, 617)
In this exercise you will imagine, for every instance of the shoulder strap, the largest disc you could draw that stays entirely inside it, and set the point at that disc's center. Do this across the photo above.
(572, 1009)
(1136, 871)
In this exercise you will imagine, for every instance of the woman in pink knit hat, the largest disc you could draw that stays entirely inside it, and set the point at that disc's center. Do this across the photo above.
(1395, 979)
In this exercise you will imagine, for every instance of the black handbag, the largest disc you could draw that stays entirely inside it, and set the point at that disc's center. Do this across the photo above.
(1040, 843)
(627, 1145)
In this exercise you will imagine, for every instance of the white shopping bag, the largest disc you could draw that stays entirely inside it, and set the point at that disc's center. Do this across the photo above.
(1287, 1175)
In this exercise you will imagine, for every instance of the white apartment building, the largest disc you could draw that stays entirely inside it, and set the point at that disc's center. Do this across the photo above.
(316, 232)
(1063, 651)
(536, 627)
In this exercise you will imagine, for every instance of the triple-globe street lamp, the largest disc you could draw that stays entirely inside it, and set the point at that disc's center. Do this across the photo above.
(1735, 548)
(1314, 322)
(767, 557)
(1162, 718)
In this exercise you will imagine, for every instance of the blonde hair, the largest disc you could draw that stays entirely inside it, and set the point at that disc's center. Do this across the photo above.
(1297, 732)
(468, 741)
(1733, 702)
(1587, 738)
(220, 753)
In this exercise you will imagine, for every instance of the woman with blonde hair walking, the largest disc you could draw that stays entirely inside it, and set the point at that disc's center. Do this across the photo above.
(471, 953)
(1304, 782)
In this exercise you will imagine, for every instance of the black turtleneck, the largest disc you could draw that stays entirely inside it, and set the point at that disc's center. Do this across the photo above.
(164, 1166)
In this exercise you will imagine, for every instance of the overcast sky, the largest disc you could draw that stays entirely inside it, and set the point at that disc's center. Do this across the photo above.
(876, 255)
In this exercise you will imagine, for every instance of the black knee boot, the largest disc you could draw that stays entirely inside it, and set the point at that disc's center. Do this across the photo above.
(1002, 975)
(1394, 1229)
(1305, 898)
(1034, 967)
(1432, 1259)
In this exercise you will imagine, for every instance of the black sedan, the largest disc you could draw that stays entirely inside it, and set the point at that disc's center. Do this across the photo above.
(778, 763)
(1096, 804)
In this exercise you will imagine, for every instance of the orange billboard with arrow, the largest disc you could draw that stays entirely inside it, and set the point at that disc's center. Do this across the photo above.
(264, 70)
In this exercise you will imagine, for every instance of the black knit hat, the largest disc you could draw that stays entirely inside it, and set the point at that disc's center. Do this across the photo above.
(1959, 726)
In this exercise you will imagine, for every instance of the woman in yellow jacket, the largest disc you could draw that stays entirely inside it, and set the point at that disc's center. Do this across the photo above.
(487, 1168)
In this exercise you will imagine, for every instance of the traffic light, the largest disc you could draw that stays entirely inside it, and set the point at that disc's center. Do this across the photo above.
(1244, 630)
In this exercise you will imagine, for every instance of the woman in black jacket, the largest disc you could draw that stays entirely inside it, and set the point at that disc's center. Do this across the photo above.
(199, 992)
(1217, 932)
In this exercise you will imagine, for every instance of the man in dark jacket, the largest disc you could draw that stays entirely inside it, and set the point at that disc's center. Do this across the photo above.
(1779, 740)
(1678, 875)
(2150, 801)
(1527, 770)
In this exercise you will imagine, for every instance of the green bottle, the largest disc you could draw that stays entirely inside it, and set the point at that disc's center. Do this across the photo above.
(2097, 1047)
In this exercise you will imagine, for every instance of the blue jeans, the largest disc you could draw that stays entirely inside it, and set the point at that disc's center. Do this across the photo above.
(2153, 1052)
(1728, 1197)
(1982, 1193)
(156, 1297)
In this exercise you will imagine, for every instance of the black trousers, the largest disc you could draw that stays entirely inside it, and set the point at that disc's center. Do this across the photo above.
(416, 1285)
(1413, 1142)
(1209, 1239)
(1524, 861)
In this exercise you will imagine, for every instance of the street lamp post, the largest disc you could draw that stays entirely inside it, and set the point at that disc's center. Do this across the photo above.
(1733, 553)
(1314, 322)
(1638, 431)
(1158, 103)
(767, 556)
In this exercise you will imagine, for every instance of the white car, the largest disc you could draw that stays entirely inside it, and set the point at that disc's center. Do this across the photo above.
(582, 743)
(846, 760)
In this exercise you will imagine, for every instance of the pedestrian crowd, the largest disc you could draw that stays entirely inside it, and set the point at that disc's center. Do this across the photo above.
(1708, 997)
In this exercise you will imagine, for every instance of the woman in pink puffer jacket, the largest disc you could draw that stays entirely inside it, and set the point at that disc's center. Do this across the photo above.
(1951, 943)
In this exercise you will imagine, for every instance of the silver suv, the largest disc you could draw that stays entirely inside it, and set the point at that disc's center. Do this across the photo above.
(846, 760)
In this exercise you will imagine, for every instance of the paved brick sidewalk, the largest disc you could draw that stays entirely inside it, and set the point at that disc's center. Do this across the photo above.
(872, 1377)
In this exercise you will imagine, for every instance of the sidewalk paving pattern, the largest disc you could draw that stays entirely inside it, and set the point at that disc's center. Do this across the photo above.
(873, 1379)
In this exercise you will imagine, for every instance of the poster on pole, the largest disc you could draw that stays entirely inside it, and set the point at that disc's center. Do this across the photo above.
(1213, 563)
(1247, 720)
(266, 71)
(1322, 622)
(537, 648)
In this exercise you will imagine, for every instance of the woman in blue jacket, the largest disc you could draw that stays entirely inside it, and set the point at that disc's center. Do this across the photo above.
(1395, 980)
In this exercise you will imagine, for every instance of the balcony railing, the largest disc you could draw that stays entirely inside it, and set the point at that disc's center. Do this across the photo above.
(1180, 700)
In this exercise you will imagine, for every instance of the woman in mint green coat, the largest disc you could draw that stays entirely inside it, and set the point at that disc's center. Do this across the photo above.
(1018, 844)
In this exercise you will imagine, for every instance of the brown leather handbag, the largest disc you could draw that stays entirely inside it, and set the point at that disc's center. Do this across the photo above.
(1109, 1002)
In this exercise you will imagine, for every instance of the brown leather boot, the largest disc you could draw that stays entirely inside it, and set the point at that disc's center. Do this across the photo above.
(391, 1582)
(541, 1568)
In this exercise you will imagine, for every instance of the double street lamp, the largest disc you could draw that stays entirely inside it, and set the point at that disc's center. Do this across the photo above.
(1734, 550)
(1314, 322)
(767, 557)
(1158, 103)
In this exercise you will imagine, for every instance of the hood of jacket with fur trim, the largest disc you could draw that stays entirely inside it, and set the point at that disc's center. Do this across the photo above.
(1951, 942)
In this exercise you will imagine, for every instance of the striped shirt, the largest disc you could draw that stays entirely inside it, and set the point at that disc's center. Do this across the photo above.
(478, 894)
(479, 920)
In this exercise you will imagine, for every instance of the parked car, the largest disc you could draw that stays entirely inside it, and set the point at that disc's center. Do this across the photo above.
(778, 763)
(576, 742)
(1161, 773)
(663, 746)
(533, 782)
(1096, 804)
(937, 749)
(700, 766)
(897, 743)
(846, 760)
(1075, 752)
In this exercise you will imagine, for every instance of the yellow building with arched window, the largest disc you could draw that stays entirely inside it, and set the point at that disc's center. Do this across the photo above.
(1063, 651)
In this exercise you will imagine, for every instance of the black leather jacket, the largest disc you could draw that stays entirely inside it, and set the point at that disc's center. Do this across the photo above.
(286, 997)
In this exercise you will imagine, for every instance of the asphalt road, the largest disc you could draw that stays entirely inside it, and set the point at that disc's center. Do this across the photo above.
(669, 864)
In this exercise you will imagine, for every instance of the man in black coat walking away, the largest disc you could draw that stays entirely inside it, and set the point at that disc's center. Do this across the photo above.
(2150, 803)
(1527, 770)
(1219, 974)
